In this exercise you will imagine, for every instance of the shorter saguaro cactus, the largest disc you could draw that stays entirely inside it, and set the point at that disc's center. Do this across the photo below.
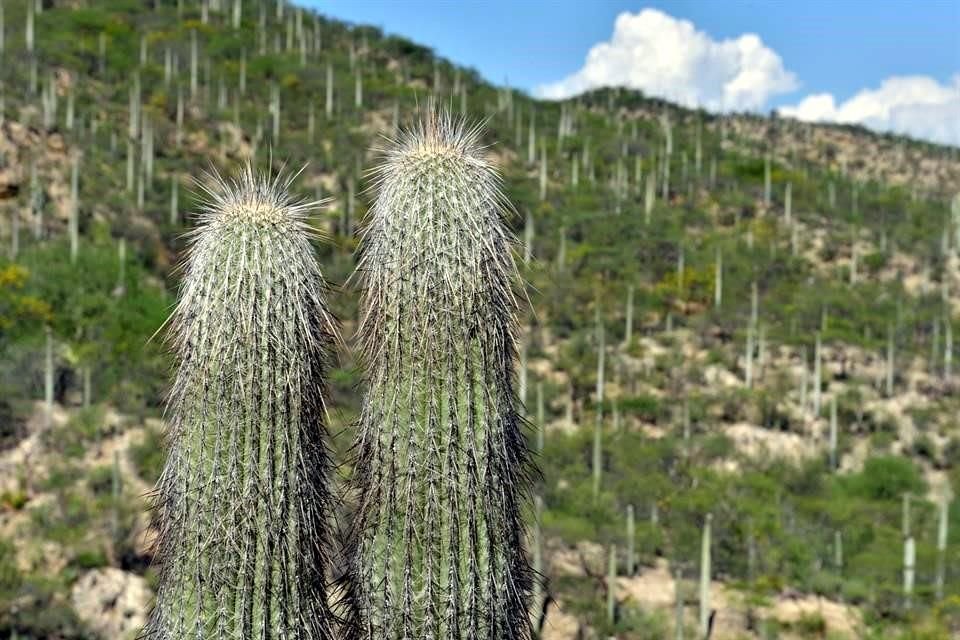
(243, 500)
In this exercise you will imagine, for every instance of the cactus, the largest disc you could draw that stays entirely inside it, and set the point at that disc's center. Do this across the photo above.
(648, 196)
(890, 364)
(668, 152)
(121, 266)
(934, 346)
(631, 540)
(131, 165)
(833, 433)
(532, 140)
(705, 571)
(243, 498)
(817, 374)
(358, 90)
(788, 203)
(628, 322)
(538, 576)
(274, 110)
(612, 585)
(681, 268)
(178, 134)
(74, 222)
(853, 261)
(28, 29)
(767, 183)
(944, 519)
(562, 250)
(947, 348)
(48, 376)
(328, 109)
(597, 461)
(718, 280)
(528, 235)
(909, 571)
(543, 170)
(174, 200)
(436, 546)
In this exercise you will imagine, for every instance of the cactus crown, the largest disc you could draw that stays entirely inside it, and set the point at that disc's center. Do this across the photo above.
(243, 500)
(441, 470)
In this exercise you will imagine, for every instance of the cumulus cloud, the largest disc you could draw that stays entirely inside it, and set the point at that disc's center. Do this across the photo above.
(670, 58)
(919, 106)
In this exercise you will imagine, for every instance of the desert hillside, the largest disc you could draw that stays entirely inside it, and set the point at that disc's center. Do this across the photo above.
(732, 319)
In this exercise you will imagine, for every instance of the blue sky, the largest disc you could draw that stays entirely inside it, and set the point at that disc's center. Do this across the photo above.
(886, 64)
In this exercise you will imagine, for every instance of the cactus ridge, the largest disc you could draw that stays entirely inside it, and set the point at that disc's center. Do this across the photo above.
(243, 500)
(442, 473)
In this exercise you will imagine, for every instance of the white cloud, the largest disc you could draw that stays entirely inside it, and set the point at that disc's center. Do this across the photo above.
(670, 58)
(914, 105)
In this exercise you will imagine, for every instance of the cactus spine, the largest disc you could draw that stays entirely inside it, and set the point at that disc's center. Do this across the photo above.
(243, 499)
(436, 547)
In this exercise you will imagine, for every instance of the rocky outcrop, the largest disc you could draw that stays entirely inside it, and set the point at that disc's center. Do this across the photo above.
(113, 603)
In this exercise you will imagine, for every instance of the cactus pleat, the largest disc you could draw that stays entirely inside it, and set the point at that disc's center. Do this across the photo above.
(441, 474)
(243, 501)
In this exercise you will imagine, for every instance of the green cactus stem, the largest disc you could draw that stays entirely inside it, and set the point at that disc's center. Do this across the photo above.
(436, 550)
(243, 498)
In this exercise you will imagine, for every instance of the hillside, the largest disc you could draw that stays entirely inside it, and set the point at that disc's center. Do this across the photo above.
(735, 319)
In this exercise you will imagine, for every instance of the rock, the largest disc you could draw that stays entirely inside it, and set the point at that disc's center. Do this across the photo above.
(113, 603)
(559, 625)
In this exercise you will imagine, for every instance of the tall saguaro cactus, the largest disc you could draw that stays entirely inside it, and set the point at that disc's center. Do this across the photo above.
(243, 499)
(436, 550)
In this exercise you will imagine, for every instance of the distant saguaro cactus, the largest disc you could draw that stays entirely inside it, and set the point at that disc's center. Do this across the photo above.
(243, 498)
(441, 474)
